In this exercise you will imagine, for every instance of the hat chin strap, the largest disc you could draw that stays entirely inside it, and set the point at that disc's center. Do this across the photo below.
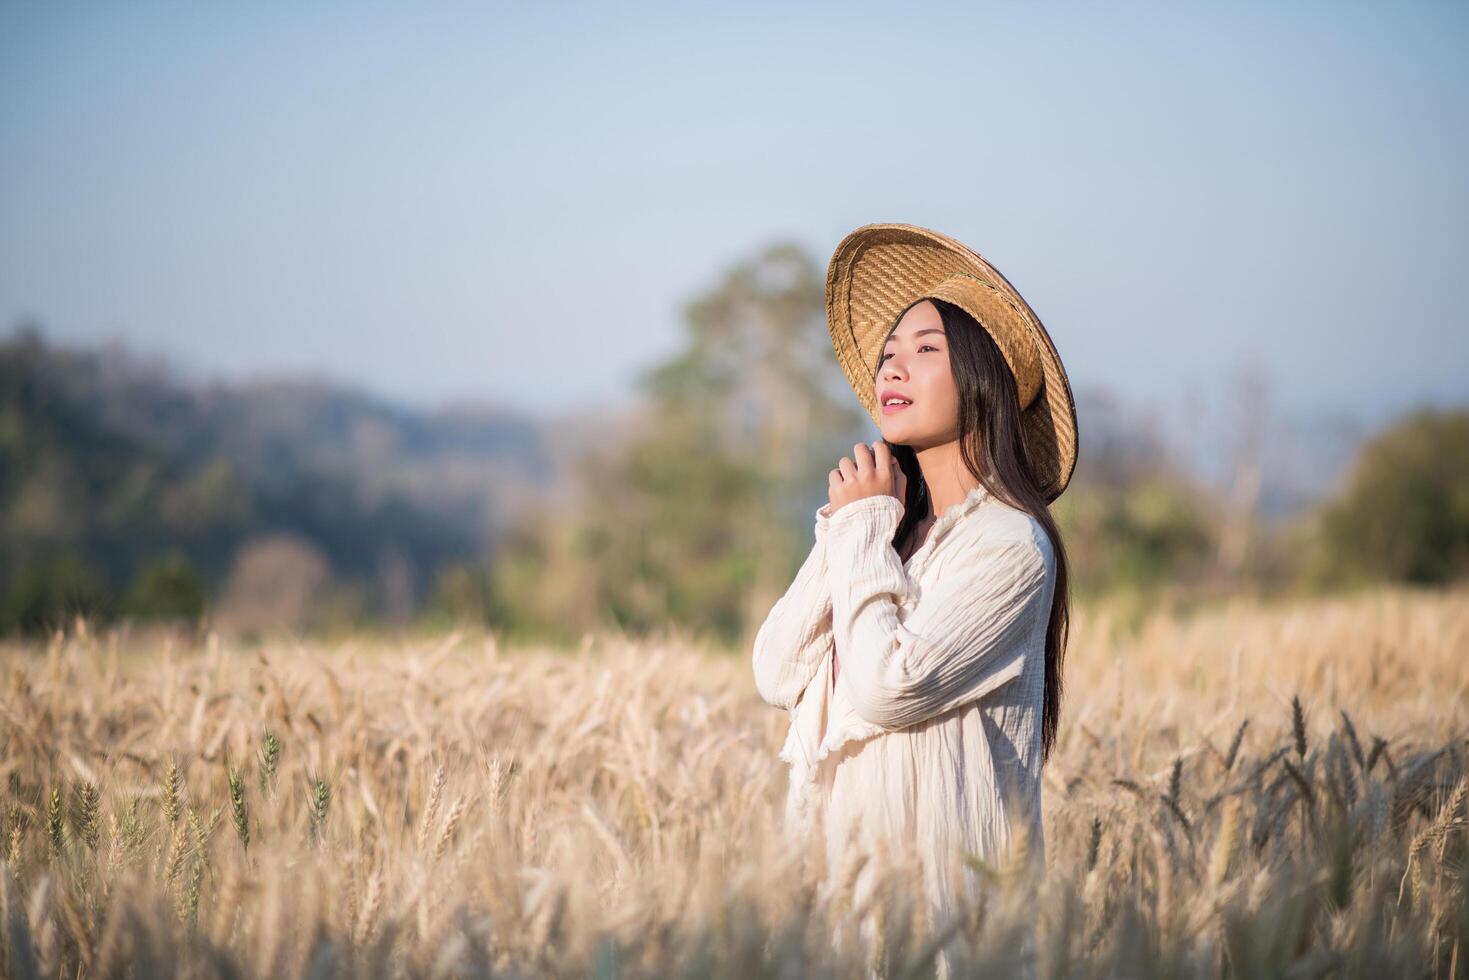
(1000, 317)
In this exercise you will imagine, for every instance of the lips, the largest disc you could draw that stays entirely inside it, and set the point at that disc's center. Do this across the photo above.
(887, 395)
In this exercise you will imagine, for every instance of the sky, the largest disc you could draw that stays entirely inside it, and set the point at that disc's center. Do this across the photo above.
(511, 203)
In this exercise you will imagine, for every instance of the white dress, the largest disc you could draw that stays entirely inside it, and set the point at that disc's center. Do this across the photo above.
(928, 731)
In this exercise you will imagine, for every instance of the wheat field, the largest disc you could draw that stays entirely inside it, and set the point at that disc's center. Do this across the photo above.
(1259, 790)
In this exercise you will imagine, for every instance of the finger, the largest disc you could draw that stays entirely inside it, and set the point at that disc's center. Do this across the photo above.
(835, 478)
(882, 455)
(862, 456)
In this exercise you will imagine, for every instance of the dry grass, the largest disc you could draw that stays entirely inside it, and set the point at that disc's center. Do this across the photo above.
(450, 809)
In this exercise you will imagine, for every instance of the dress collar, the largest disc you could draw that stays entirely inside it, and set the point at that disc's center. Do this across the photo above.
(952, 515)
(959, 508)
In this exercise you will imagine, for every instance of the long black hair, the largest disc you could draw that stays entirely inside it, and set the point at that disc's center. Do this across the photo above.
(992, 445)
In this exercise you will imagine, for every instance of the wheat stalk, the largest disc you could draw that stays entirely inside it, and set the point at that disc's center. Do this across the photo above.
(1226, 844)
(431, 810)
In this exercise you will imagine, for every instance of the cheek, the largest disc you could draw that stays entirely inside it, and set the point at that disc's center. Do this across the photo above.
(938, 387)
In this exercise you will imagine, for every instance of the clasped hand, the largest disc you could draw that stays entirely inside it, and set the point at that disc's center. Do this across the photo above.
(869, 472)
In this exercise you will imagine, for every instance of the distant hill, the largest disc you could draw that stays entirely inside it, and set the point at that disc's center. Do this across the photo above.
(113, 458)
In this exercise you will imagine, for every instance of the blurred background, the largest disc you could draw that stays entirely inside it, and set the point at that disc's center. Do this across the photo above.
(365, 317)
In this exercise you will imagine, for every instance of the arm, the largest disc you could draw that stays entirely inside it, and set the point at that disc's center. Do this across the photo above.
(961, 641)
(796, 634)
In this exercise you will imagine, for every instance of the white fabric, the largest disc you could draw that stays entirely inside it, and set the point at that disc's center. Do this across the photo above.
(914, 689)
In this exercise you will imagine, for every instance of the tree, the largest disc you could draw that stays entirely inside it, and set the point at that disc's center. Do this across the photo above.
(701, 514)
(45, 595)
(166, 586)
(1404, 515)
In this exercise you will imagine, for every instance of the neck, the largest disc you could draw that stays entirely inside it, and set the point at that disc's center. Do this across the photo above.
(946, 476)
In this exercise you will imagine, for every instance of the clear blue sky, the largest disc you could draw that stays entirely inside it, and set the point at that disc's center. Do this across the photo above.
(476, 201)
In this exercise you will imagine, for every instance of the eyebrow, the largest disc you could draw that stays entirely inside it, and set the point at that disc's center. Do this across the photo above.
(917, 333)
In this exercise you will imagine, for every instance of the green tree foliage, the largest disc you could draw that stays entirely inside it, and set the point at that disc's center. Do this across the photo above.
(167, 586)
(1404, 515)
(69, 484)
(1133, 519)
(1157, 533)
(700, 517)
(48, 593)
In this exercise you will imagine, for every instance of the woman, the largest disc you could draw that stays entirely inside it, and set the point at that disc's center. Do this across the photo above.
(919, 648)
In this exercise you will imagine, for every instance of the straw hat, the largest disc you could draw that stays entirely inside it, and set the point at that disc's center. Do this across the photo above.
(879, 270)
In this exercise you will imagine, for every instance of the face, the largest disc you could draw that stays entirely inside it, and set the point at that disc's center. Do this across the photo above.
(915, 367)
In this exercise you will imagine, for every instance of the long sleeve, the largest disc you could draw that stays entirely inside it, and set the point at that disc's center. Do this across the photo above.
(796, 634)
(904, 662)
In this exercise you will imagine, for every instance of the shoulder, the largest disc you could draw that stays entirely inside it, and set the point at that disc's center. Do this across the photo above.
(997, 528)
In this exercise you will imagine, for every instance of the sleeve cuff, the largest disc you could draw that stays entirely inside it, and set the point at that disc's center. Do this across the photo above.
(884, 509)
(869, 520)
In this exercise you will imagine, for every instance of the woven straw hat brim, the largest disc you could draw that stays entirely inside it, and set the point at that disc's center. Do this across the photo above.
(880, 269)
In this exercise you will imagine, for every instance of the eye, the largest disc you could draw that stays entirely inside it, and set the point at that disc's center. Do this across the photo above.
(921, 349)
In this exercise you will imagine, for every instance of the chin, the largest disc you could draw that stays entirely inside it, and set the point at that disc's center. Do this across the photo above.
(913, 434)
(897, 435)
